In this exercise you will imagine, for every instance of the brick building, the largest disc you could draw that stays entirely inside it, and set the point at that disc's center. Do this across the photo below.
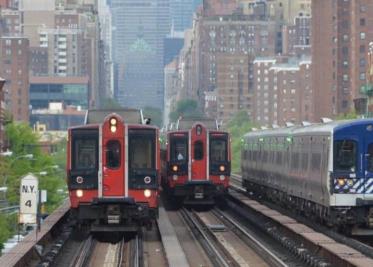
(14, 68)
(232, 84)
(341, 33)
(282, 91)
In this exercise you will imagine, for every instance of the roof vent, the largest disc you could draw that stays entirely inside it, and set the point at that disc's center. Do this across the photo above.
(306, 123)
(326, 120)
(289, 124)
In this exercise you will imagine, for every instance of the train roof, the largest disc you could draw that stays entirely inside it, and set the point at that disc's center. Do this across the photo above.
(94, 116)
(187, 123)
(317, 128)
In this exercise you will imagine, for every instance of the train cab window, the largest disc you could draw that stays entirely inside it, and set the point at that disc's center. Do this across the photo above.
(198, 150)
(218, 150)
(179, 149)
(113, 154)
(85, 153)
(345, 155)
(141, 151)
(370, 158)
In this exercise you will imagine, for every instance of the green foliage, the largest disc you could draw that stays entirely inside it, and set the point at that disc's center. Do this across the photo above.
(347, 116)
(238, 126)
(186, 108)
(6, 231)
(24, 141)
(155, 114)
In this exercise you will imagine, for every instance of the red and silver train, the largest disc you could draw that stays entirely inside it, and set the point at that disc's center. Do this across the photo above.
(113, 171)
(196, 162)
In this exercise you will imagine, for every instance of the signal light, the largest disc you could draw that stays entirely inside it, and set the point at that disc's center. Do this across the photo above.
(113, 128)
(147, 179)
(222, 168)
(147, 193)
(175, 168)
(79, 179)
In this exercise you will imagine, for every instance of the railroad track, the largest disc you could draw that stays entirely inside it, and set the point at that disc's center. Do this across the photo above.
(226, 242)
(217, 253)
(271, 258)
(359, 254)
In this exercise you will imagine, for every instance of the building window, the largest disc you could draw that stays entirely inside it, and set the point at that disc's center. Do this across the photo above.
(362, 36)
(362, 49)
(362, 76)
(362, 22)
(345, 77)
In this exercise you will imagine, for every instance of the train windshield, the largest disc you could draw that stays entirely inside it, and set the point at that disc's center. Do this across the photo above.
(218, 150)
(141, 149)
(85, 150)
(370, 158)
(179, 148)
(345, 155)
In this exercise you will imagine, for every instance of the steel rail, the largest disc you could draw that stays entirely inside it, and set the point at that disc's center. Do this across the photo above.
(82, 258)
(198, 229)
(253, 242)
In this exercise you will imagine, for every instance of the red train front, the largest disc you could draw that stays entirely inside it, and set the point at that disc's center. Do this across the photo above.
(113, 171)
(197, 162)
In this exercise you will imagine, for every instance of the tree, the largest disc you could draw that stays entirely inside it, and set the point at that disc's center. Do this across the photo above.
(238, 126)
(155, 114)
(186, 108)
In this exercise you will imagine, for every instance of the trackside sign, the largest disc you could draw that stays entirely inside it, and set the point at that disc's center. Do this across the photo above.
(29, 199)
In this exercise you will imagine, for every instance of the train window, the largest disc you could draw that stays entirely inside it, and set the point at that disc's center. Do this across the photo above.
(198, 150)
(370, 158)
(218, 150)
(85, 153)
(345, 155)
(113, 154)
(141, 151)
(179, 149)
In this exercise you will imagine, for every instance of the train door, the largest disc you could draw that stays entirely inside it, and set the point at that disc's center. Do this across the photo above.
(199, 153)
(113, 158)
(368, 163)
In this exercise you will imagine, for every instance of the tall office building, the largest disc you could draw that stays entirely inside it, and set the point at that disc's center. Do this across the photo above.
(139, 30)
(181, 14)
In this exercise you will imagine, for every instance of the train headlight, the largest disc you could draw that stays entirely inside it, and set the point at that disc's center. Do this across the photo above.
(341, 181)
(222, 177)
(175, 168)
(350, 182)
(147, 180)
(147, 193)
(174, 177)
(113, 121)
(113, 128)
(222, 168)
(79, 179)
(79, 193)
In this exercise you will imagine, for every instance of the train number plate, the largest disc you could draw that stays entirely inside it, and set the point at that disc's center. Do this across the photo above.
(198, 192)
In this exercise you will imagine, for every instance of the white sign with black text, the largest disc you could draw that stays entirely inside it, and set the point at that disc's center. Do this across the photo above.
(29, 199)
